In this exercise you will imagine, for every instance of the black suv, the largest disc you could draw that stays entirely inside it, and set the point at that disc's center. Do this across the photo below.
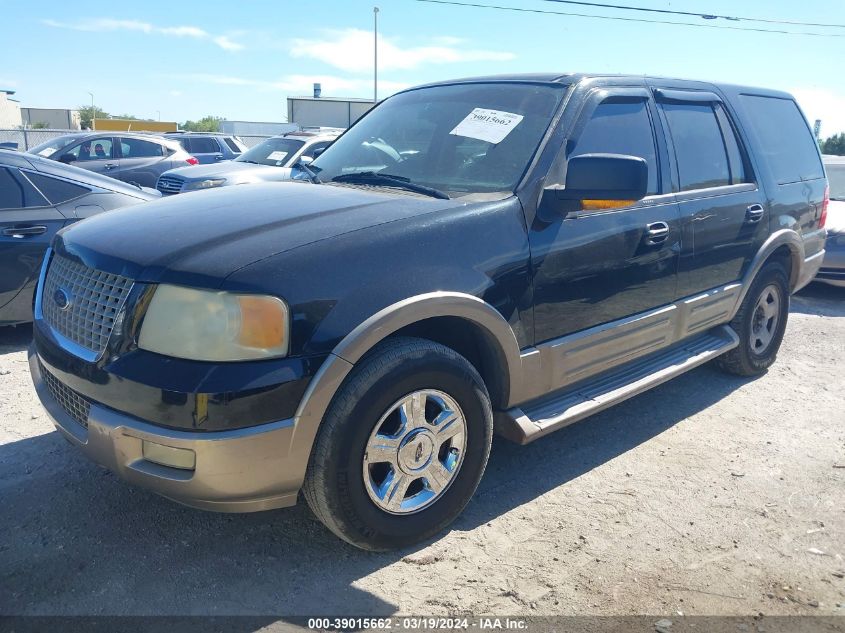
(507, 254)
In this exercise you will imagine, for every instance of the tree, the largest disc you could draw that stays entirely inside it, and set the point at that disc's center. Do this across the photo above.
(208, 123)
(88, 113)
(834, 145)
(38, 125)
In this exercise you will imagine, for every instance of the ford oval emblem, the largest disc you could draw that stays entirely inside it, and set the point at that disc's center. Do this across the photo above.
(62, 298)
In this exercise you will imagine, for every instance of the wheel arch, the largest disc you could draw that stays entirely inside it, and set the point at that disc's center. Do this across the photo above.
(473, 326)
(784, 245)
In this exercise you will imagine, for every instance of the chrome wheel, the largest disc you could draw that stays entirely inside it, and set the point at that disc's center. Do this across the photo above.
(414, 452)
(764, 320)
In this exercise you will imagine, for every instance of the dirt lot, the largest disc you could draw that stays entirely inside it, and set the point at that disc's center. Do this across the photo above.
(709, 495)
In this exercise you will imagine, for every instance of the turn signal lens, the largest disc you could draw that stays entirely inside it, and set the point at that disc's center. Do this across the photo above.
(825, 205)
(263, 322)
(598, 205)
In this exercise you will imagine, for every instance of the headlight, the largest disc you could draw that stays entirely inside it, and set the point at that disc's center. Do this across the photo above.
(204, 184)
(216, 326)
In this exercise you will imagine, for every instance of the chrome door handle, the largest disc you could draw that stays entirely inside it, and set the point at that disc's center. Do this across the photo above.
(108, 166)
(656, 233)
(20, 232)
(754, 213)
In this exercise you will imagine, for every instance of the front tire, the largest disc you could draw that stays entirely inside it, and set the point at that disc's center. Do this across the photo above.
(760, 323)
(402, 447)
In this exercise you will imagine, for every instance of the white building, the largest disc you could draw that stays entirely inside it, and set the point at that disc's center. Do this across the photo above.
(53, 118)
(326, 111)
(10, 110)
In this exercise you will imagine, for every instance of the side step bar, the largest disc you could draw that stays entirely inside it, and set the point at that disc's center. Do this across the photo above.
(540, 417)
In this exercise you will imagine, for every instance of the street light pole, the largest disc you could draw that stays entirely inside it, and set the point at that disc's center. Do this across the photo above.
(159, 114)
(375, 54)
(93, 113)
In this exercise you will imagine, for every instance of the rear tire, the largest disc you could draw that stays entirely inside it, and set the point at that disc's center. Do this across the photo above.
(760, 323)
(402, 447)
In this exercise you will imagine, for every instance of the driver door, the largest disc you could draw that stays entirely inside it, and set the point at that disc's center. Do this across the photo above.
(96, 154)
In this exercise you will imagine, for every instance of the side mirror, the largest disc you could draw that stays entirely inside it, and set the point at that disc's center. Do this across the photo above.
(319, 151)
(305, 160)
(67, 159)
(599, 177)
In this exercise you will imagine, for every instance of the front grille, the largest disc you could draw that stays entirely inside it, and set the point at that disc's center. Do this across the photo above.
(169, 184)
(73, 404)
(91, 298)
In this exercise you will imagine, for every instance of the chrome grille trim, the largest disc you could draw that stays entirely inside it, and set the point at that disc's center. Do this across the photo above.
(75, 405)
(169, 184)
(96, 298)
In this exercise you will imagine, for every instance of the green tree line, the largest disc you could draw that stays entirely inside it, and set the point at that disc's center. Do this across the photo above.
(87, 114)
(834, 145)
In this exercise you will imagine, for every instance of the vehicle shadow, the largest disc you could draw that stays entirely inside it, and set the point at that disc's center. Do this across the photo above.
(15, 338)
(77, 540)
(820, 300)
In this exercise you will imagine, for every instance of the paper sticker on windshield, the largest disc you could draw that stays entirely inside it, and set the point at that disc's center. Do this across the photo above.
(487, 125)
(47, 152)
(277, 155)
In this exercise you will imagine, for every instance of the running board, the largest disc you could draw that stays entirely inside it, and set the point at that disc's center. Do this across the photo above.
(540, 417)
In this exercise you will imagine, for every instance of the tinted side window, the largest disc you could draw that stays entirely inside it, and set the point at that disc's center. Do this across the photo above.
(740, 172)
(620, 128)
(97, 149)
(136, 148)
(57, 191)
(784, 138)
(17, 193)
(316, 146)
(699, 147)
(232, 145)
(204, 145)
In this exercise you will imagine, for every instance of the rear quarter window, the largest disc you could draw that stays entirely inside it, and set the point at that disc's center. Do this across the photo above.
(57, 191)
(784, 139)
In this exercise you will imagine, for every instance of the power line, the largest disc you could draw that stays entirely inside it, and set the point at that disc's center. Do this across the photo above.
(706, 16)
(624, 19)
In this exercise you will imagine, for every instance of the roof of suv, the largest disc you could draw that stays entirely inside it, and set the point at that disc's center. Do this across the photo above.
(573, 78)
(144, 136)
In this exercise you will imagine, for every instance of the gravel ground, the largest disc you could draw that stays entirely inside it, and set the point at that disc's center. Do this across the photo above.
(708, 495)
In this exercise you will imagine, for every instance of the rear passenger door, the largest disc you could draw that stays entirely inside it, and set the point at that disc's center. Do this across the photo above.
(205, 149)
(141, 161)
(723, 211)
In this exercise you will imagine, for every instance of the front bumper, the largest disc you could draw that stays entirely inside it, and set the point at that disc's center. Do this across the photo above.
(832, 270)
(240, 470)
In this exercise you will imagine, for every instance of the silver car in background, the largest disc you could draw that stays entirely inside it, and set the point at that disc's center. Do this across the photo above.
(271, 160)
(833, 267)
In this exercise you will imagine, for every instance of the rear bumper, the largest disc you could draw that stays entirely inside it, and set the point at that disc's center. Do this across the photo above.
(240, 470)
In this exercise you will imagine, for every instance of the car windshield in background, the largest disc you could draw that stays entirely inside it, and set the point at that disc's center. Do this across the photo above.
(48, 148)
(836, 178)
(461, 139)
(275, 152)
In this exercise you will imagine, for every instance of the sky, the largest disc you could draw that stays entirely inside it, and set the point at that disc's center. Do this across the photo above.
(187, 59)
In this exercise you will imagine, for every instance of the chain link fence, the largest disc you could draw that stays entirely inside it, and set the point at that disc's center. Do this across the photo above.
(27, 139)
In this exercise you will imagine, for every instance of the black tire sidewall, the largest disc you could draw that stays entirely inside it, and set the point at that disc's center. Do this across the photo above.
(775, 275)
(346, 487)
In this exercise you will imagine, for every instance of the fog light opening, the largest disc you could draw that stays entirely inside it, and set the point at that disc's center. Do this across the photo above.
(182, 458)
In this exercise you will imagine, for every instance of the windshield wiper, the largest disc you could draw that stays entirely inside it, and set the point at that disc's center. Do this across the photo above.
(400, 182)
(312, 175)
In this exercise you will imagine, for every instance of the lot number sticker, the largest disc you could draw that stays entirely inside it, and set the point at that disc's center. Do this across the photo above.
(277, 156)
(487, 125)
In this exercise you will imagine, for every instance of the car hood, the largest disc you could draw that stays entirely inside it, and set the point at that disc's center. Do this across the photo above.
(201, 238)
(233, 170)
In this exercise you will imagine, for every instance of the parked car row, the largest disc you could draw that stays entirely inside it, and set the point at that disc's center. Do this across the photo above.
(37, 198)
(525, 249)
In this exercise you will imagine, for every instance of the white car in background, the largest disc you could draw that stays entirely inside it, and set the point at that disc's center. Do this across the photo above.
(833, 267)
(269, 161)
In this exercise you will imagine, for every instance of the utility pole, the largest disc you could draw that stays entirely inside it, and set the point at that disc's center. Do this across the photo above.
(93, 113)
(159, 114)
(375, 56)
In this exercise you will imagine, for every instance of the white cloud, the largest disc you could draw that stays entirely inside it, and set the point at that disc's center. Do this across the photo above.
(820, 103)
(352, 50)
(109, 24)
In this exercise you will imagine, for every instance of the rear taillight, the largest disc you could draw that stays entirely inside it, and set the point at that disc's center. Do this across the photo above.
(825, 205)
(192, 161)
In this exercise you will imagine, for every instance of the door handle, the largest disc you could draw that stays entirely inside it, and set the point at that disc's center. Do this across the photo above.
(20, 232)
(109, 166)
(656, 233)
(218, 157)
(754, 213)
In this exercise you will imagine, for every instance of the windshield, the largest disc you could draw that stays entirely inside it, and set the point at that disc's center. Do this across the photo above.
(48, 148)
(836, 178)
(463, 139)
(275, 152)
